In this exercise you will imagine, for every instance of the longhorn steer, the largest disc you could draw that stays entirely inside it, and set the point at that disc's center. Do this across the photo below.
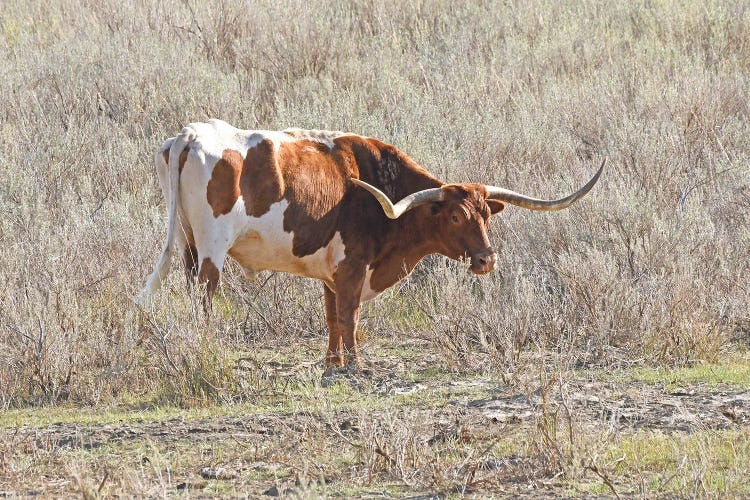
(304, 202)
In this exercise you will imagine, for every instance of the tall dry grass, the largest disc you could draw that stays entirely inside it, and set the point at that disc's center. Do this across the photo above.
(651, 267)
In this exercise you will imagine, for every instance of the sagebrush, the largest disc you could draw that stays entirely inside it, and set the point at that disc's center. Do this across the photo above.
(650, 268)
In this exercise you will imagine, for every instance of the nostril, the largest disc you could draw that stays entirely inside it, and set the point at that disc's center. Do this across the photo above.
(482, 261)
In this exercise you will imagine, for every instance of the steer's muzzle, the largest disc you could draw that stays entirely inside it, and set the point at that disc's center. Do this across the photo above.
(483, 262)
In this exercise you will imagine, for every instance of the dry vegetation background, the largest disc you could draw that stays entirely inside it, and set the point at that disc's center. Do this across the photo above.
(651, 269)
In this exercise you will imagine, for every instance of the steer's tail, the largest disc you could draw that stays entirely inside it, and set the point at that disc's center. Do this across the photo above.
(186, 136)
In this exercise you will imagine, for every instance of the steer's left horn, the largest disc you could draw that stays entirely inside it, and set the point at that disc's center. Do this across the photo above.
(411, 201)
(498, 193)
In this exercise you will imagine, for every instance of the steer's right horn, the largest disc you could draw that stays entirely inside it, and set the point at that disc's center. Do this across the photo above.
(508, 196)
(411, 201)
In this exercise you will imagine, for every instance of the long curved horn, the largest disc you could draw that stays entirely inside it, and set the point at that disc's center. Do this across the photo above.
(498, 193)
(411, 201)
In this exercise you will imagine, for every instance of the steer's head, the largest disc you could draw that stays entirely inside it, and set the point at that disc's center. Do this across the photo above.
(462, 218)
(463, 211)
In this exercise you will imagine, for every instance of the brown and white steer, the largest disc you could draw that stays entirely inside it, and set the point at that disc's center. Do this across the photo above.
(317, 204)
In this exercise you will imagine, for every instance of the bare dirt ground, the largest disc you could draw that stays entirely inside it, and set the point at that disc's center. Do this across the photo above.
(365, 435)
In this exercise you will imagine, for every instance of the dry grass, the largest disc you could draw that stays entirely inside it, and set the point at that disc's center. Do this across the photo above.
(649, 270)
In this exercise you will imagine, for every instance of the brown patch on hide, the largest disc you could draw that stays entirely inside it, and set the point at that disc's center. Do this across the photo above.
(315, 180)
(261, 183)
(256, 178)
(223, 189)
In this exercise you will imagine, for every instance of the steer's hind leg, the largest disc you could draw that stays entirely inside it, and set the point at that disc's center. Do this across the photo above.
(209, 275)
(187, 251)
(212, 242)
(190, 259)
(210, 264)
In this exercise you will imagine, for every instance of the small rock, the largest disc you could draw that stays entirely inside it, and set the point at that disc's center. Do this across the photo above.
(191, 486)
(730, 412)
(681, 391)
(507, 418)
(348, 424)
(216, 473)
(404, 390)
(273, 491)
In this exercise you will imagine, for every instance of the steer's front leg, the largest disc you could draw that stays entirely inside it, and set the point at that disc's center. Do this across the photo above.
(334, 357)
(349, 280)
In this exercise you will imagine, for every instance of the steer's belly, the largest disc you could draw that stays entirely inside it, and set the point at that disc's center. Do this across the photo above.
(262, 244)
(253, 252)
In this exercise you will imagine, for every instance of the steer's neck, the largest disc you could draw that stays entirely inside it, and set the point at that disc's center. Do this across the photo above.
(414, 228)
(411, 236)
(418, 234)
(413, 178)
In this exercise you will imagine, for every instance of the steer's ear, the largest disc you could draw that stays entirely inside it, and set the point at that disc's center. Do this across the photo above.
(495, 206)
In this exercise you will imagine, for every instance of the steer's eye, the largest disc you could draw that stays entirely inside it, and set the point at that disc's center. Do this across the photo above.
(455, 218)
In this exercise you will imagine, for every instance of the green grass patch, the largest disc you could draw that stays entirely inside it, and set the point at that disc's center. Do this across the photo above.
(402, 314)
(712, 463)
(734, 370)
(299, 395)
(61, 414)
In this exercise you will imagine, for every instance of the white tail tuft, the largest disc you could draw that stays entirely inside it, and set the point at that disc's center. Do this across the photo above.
(161, 269)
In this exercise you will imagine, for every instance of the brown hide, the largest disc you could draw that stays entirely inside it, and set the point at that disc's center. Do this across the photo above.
(316, 180)
(224, 187)
(261, 182)
(390, 247)
(256, 178)
(209, 275)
